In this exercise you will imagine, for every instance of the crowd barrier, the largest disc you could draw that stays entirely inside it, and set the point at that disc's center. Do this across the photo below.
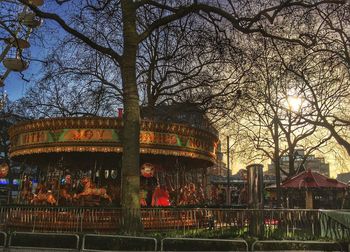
(55, 242)
(283, 245)
(31, 242)
(197, 244)
(94, 243)
(292, 223)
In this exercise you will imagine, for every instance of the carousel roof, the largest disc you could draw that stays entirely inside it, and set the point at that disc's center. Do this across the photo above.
(310, 179)
(104, 135)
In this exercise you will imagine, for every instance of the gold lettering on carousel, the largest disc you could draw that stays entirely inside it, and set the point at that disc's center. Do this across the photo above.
(88, 135)
(158, 138)
(34, 137)
(76, 134)
(196, 144)
(100, 133)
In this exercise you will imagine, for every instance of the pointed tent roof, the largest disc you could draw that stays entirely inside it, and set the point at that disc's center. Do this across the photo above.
(310, 179)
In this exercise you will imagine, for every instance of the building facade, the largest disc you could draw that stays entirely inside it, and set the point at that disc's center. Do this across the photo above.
(302, 163)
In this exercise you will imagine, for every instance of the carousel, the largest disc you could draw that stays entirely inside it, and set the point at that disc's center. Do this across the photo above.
(78, 162)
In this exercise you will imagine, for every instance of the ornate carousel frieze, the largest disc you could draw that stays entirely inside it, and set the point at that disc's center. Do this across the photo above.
(101, 149)
(105, 123)
(104, 135)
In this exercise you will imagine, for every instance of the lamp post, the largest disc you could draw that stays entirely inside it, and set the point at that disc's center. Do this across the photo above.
(228, 194)
(277, 161)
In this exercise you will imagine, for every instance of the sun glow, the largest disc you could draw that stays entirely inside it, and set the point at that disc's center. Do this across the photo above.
(294, 103)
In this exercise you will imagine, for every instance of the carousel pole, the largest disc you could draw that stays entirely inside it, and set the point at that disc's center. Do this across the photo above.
(94, 171)
(177, 181)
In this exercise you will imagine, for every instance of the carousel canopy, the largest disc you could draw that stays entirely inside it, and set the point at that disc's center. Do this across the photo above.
(103, 135)
(310, 179)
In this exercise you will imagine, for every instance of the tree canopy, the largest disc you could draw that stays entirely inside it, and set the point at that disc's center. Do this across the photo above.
(232, 58)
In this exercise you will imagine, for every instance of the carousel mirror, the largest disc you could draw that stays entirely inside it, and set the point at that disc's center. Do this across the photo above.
(106, 173)
(114, 174)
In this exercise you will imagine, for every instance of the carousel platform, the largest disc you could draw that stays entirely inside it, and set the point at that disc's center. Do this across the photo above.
(95, 220)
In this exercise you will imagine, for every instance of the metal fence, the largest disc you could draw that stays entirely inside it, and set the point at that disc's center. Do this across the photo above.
(295, 245)
(95, 243)
(267, 223)
(195, 244)
(56, 242)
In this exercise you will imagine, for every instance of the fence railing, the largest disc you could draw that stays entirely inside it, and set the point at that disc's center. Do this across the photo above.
(295, 245)
(55, 242)
(95, 243)
(266, 223)
(58, 242)
(195, 244)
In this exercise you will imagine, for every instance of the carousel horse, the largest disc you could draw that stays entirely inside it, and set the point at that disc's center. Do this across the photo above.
(65, 190)
(188, 195)
(200, 195)
(26, 190)
(43, 196)
(184, 192)
(91, 190)
(192, 194)
(65, 194)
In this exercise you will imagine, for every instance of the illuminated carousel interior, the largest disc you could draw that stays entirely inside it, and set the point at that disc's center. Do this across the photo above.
(77, 181)
(83, 179)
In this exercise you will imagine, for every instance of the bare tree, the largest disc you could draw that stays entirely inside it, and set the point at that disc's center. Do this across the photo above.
(113, 29)
(327, 80)
(322, 78)
(274, 119)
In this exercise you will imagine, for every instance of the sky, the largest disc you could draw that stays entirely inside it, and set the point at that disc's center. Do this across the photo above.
(15, 85)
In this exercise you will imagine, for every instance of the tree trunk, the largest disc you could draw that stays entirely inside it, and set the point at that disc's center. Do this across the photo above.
(131, 130)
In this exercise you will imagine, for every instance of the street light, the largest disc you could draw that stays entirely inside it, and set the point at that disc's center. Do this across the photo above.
(228, 194)
(228, 171)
